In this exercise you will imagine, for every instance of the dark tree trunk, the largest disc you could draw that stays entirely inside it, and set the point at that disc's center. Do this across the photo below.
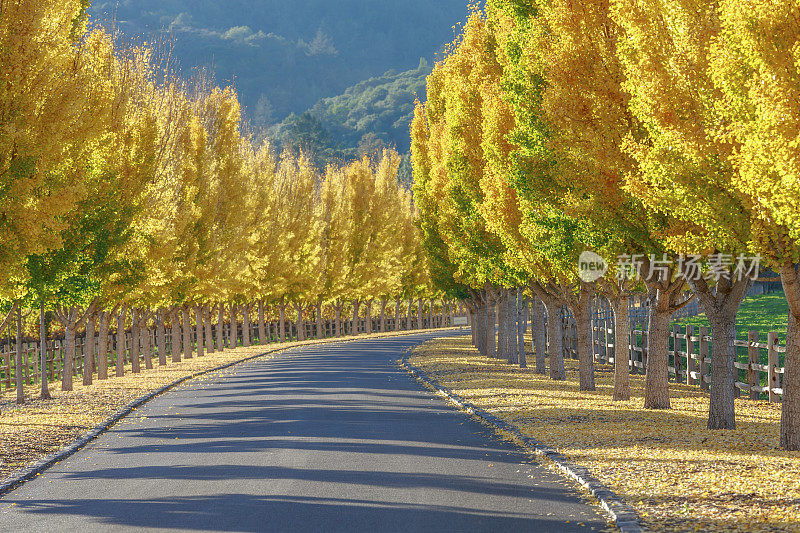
(175, 330)
(187, 334)
(320, 327)
(262, 329)
(522, 326)
(221, 327)
(199, 330)
(502, 324)
(538, 325)
(102, 346)
(246, 325)
(18, 358)
(135, 340)
(161, 338)
(88, 349)
(120, 367)
(45, 389)
(282, 321)
(207, 323)
(491, 323)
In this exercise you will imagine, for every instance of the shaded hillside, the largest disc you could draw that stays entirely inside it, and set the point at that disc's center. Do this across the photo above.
(285, 56)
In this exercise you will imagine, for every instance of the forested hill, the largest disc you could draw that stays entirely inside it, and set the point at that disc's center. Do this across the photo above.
(368, 116)
(284, 56)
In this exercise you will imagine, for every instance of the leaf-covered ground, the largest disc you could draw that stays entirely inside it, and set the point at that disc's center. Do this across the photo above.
(679, 475)
(40, 427)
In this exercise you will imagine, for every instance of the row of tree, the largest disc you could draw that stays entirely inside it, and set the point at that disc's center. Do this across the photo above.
(635, 130)
(125, 187)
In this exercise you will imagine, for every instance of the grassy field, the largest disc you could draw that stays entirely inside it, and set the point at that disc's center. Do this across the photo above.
(763, 313)
(679, 475)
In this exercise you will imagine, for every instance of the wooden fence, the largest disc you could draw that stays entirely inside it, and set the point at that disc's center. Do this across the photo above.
(759, 374)
(31, 367)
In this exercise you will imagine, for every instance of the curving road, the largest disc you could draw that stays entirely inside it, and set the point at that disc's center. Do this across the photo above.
(320, 439)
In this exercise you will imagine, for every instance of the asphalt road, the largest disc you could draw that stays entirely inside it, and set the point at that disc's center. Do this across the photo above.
(320, 438)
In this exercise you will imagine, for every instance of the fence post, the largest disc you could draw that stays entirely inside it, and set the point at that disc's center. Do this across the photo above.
(691, 362)
(705, 364)
(772, 362)
(676, 353)
(753, 375)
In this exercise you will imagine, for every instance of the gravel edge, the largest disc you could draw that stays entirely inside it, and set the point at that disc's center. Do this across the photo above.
(13, 482)
(621, 514)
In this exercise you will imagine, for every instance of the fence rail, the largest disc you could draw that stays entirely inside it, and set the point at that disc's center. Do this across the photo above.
(759, 374)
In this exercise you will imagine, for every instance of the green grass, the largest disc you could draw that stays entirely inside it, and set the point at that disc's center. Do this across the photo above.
(764, 313)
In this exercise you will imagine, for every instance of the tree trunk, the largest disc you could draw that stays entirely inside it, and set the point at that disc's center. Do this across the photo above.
(282, 321)
(320, 329)
(538, 326)
(356, 309)
(790, 407)
(187, 333)
(720, 306)
(582, 312)
(120, 367)
(721, 414)
(300, 326)
(233, 330)
(199, 330)
(522, 326)
(622, 370)
(502, 328)
(161, 338)
(512, 321)
(175, 330)
(18, 359)
(491, 323)
(384, 302)
(472, 329)
(207, 323)
(88, 349)
(135, 341)
(368, 319)
(420, 315)
(148, 350)
(220, 327)
(338, 310)
(102, 346)
(555, 347)
(262, 329)
(656, 390)
(69, 352)
(246, 325)
(482, 319)
(397, 319)
(45, 389)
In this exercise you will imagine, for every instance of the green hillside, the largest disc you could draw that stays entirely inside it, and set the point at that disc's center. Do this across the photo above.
(368, 116)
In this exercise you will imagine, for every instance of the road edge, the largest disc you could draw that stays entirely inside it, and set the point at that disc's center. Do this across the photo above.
(13, 482)
(621, 514)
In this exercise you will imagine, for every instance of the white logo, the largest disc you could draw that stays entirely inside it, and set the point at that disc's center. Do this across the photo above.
(591, 267)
